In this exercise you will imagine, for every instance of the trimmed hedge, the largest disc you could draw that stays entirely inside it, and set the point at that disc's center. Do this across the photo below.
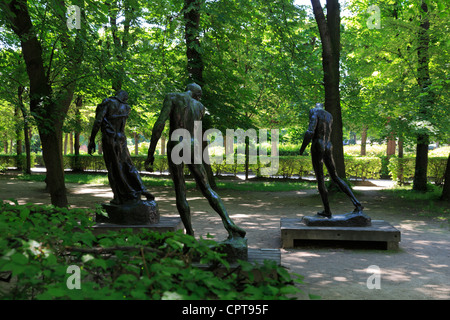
(363, 167)
(401, 170)
(13, 160)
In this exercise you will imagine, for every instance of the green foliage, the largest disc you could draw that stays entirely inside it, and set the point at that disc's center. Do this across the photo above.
(16, 160)
(402, 169)
(382, 70)
(363, 167)
(39, 243)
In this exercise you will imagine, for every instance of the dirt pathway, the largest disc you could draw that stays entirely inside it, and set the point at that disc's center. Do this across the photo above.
(419, 270)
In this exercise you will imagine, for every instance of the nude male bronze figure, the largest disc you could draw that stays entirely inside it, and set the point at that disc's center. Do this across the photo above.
(319, 132)
(183, 110)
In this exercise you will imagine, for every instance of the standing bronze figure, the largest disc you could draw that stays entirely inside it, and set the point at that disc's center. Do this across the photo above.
(319, 132)
(124, 179)
(182, 110)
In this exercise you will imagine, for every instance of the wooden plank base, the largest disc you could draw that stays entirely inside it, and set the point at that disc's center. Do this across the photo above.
(165, 224)
(294, 232)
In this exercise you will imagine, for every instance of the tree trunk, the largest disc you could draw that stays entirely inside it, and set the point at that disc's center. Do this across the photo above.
(400, 147)
(390, 149)
(19, 132)
(49, 112)
(66, 138)
(40, 98)
(247, 156)
(120, 44)
(26, 130)
(51, 152)
(364, 141)
(426, 100)
(71, 142)
(446, 191)
(329, 29)
(136, 144)
(195, 64)
(420, 172)
(163, 145)
(78, 104)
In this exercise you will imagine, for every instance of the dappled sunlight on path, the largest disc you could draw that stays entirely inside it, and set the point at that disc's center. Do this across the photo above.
(420, 269)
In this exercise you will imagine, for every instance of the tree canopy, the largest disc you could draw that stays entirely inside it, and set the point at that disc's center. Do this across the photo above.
(260, 64)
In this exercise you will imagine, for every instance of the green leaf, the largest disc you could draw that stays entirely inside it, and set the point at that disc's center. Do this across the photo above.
(139, 294)
(86, 237)
(19, 258)
(100, 263)
(24, 213)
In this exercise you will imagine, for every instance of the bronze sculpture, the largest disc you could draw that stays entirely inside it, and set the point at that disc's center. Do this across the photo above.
(124, 179)
(319, 132)
(183, 110)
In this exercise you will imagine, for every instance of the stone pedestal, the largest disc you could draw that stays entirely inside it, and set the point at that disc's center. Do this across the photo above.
(353, 219)
(235, 249)
(139, 215)
(294, 233)
(143, 212)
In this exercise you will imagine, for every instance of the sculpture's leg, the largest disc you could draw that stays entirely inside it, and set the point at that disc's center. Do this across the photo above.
(133, 179)
(111, 166)
(214, 200)
(180, 194)
(317, 162)
(329, 162)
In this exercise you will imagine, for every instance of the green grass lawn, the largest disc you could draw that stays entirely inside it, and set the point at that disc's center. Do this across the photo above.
(235, 184)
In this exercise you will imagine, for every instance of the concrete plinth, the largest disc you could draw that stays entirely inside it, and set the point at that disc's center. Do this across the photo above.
(294, 232)
(352, 219)
(235, 249)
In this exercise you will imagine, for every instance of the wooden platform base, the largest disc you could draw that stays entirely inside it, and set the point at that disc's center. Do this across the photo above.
(165, 224)
(295, 233)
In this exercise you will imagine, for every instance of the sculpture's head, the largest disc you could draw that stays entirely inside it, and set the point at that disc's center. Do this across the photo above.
(195, 89)
(122, 95)
(319, 105)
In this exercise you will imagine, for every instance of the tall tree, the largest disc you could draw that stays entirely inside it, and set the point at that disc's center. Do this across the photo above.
(49, 107)
(195, 66)
(426, 98)
(121, 41)
(329, 29)
(192, 14)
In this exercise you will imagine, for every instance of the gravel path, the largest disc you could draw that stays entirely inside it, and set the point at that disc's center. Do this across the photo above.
(420, 269)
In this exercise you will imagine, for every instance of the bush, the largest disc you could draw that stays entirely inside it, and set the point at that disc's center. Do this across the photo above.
(436, 169)
(402, 169)
(14, 160)
(363, 167)
(40, 243)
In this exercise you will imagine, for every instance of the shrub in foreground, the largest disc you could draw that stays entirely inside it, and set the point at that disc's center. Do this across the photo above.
(42, 248)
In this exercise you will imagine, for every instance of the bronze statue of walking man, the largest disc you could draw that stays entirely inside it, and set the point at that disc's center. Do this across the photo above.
(319, 132)
(183, 110)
